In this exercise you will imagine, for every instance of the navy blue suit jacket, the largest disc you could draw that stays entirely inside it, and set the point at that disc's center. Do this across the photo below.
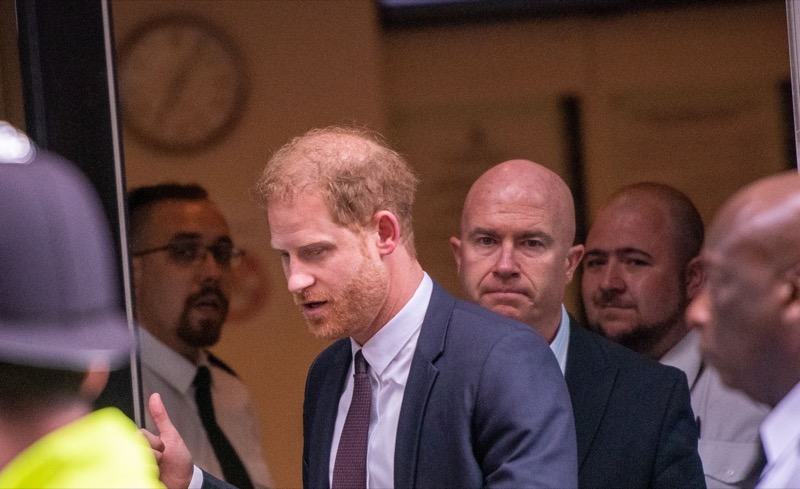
(634, 420)
(485, 405)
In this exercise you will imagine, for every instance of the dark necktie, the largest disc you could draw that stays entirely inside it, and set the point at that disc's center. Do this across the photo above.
(350, 469)
(232, 468)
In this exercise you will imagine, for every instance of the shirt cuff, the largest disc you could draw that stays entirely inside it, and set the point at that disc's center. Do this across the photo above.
(197, 479)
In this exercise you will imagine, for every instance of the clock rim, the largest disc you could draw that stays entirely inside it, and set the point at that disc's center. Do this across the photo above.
(150, 134)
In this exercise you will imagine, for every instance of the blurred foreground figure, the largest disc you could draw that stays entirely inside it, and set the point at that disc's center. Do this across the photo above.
(748, 312)
(61, 330)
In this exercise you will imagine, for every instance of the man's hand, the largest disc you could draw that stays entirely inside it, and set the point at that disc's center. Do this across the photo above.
(174, 459)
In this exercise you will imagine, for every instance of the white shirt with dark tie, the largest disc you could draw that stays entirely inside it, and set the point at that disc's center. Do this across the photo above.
(389, 354)
(171, 375)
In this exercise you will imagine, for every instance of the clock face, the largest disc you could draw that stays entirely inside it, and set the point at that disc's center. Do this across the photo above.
(182, 83)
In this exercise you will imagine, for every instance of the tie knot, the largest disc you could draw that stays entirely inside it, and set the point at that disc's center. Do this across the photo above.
(203, 378)
(361, 363)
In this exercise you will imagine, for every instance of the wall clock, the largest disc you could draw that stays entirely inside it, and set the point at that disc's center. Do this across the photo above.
(182, 83)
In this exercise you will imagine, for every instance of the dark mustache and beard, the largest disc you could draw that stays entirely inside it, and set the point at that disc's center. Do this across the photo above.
(644, 337)
(203, 333)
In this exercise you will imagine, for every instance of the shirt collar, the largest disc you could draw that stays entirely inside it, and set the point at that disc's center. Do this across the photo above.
(384, 346)
(168, 364)
(685, 355)
(781, 427)
(561, 341)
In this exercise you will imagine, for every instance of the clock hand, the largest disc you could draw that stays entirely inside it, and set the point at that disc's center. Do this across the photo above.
(176, 84)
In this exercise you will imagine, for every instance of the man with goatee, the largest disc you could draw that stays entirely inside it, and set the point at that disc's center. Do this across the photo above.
(183, 258)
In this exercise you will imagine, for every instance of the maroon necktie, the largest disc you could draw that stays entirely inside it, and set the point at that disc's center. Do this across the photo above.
(350, 469)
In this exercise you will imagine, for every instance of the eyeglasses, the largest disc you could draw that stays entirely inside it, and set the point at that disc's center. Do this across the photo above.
(188, 252)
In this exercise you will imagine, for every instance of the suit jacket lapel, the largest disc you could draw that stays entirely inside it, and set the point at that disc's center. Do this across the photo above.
(321, 435)
(590, 377)
(421, 377)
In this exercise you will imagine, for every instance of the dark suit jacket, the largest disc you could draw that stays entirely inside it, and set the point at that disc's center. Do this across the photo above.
(211, 482)
(485, 404)
(634, 420)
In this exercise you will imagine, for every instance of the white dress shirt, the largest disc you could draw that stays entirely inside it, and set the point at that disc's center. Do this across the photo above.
(171, 375)
(560, 343)
(780, 435)
(389, 354)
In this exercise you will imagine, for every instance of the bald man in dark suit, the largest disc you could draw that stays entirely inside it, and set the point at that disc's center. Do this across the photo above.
(515, 255)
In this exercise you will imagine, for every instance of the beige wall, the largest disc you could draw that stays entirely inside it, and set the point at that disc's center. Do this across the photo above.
(687, 97)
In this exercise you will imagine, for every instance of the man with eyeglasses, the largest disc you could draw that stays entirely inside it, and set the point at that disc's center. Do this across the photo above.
(183, 257)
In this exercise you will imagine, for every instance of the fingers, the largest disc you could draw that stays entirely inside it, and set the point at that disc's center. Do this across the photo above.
(155, 442)
(159, 414)
(174, 459)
